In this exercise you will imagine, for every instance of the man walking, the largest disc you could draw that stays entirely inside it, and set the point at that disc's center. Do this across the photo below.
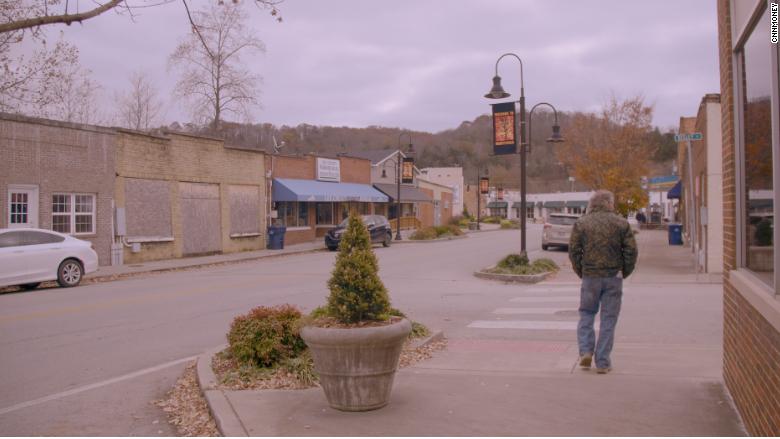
(603, 252)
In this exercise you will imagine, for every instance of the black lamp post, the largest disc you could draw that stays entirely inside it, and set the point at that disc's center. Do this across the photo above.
(398, 194)
(479, 194)
(497, 92)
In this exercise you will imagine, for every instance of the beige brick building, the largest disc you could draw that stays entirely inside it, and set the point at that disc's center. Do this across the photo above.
(59, 176)
(184, 195)
(750, 121)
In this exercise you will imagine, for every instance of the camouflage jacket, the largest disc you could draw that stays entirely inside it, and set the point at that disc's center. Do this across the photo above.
(602, 244)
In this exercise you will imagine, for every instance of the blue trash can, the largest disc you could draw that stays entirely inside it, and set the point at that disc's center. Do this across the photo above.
(675, 234)
(276, 237)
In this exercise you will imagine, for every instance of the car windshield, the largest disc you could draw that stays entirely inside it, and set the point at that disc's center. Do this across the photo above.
(367, 220)
(562, 220)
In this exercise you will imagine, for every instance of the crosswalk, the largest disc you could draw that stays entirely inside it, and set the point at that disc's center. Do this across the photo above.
(543, 307)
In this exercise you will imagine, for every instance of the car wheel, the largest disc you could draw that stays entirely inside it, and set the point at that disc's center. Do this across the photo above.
(69, 274)
(31, 286)
(545, 246)
(388, 239)
(332, 248)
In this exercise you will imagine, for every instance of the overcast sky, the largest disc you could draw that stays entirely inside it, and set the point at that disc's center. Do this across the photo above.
(426, 64)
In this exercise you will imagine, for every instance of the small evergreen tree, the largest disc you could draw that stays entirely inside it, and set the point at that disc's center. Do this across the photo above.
(356, 292)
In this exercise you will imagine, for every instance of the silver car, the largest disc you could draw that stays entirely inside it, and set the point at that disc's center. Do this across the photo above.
(557, 229)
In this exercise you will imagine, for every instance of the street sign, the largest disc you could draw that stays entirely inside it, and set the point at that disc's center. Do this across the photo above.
(684, 137)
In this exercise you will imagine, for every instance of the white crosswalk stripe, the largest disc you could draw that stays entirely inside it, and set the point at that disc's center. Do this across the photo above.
(532, 310)
(545, 299)
(524, 324)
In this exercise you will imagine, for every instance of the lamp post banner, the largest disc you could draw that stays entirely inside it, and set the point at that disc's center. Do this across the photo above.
(484, 186)
(407, 170)
(504, 128)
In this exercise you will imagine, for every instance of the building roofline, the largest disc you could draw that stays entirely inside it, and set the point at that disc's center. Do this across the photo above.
(56, 123)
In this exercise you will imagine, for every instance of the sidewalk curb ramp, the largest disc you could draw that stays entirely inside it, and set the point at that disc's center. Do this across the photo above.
(228, 422)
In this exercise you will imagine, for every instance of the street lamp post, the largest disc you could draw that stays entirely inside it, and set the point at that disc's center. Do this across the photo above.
(398, 184)
(497, 92)
(479, 194)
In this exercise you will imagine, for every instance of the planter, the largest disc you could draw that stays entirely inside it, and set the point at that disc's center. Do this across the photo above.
(519, 278)
(357, 365)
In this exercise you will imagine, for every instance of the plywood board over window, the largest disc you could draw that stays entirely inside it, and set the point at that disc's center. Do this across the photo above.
(244, 210)
(148, 209)
(200, 218)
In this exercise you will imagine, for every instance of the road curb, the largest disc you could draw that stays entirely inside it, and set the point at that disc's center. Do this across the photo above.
(119, 276)
(514, 278)
(228, 422)
(430, 241)
(436, 335)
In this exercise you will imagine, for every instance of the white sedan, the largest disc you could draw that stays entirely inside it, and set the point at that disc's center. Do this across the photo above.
(31, 256)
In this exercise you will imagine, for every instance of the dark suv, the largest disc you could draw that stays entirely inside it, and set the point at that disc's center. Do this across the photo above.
(377, 225)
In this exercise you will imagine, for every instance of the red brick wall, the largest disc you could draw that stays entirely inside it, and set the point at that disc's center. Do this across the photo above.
(446, 212)
(355, 170)
(751, 345)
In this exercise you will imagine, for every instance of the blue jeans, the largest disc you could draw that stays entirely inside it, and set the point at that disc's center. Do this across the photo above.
(595, 291)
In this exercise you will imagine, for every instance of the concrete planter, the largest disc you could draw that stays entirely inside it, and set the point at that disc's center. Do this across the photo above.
(357, 366)
(519, 278)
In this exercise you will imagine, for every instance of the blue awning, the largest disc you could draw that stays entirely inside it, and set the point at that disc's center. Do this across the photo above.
(288, 189)
(675, 192)
(554, 204)
(577, 203)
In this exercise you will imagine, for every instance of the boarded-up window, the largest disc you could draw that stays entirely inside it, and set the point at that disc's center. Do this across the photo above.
(200, 218)
(148, 208)
(244, 209)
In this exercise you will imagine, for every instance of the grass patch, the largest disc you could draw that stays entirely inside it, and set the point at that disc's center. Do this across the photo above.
(436, 232)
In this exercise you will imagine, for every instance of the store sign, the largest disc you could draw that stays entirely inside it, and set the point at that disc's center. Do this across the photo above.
(484, 186)
(504, 128)
(328, 170)
(407, 170)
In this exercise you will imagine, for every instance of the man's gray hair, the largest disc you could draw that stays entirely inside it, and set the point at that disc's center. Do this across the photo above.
(602, 199)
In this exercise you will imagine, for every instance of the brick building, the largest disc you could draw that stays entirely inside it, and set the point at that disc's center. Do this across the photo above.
(750, 120)
(310, 194)
(59, 176)
(701, 180)
(183, 195)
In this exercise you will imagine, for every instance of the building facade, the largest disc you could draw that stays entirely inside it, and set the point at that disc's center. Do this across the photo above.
(750, 123)
(701, 180)
(451, 177)
(311, 195)
(183, 195)
(59, 176)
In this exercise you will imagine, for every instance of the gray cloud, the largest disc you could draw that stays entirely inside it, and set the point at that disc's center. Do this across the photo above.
(426, 64)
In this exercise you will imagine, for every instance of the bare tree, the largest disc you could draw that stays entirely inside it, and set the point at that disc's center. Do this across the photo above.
(18, 15)
(139, 107)
(74, 98)
(213, 79)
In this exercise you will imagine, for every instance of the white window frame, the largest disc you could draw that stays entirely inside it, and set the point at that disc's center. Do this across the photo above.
(32, 205)
(72, 213)
(741, 36)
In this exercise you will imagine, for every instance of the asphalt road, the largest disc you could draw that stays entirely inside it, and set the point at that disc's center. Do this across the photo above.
(89, 360)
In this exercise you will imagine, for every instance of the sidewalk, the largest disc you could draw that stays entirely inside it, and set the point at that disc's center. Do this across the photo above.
(523, 381)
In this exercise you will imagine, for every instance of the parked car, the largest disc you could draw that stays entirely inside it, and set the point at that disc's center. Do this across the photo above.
(557, 229)
(378, 227)
(31, 256)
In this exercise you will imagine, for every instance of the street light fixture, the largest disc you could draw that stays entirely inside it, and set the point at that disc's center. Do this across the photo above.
(498, 92)
(398, 182)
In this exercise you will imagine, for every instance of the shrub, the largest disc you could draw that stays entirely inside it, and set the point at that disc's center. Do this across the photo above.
(513, 260)
(356, 292)
(455, 230)
(491, 220)
(545, 264)
(509, 224)
(266, 335)
(423, 234)
(456, 220)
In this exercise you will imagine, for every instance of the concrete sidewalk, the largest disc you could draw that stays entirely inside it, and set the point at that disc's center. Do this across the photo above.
(525, 382)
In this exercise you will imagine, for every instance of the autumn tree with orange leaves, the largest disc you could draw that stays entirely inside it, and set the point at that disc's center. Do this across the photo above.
(611, 150)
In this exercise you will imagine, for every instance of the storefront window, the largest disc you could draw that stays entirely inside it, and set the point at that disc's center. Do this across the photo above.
(303, 214)
(324, 213)
(758, 220)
